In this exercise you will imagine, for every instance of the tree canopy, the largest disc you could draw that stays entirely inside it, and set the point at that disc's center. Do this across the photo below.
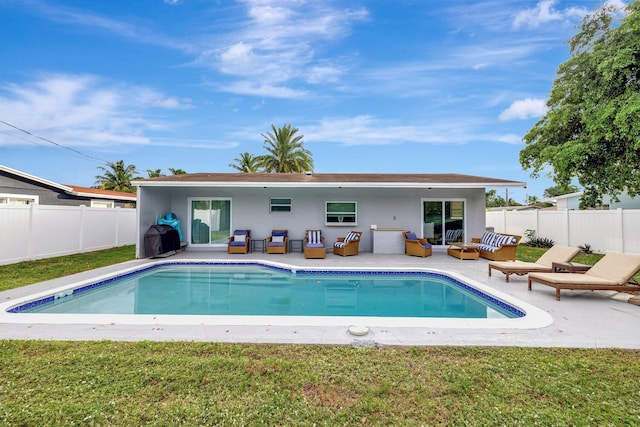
(247, 163)
(591, 130)
(286, 152)
(117, 177)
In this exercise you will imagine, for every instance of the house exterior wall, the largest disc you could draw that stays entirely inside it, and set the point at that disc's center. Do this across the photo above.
(11, 184)
(384, 207)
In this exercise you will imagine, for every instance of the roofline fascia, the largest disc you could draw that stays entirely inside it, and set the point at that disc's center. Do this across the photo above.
(36, 179)
(326, 184)
(102, 196)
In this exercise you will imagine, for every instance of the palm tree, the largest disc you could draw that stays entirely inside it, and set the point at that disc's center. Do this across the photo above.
(246, 163)
(118, 177)
(154, 173)
(177, 171)
(286, 151)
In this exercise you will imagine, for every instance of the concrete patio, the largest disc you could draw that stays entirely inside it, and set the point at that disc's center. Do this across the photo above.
(590, 319)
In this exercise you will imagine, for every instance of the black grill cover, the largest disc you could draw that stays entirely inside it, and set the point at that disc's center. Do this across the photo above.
(161, 239)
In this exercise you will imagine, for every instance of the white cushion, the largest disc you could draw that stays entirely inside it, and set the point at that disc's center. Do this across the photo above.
(277, 239)
(239, 237)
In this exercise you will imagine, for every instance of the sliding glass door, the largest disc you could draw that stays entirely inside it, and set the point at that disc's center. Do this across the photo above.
(443, 221)
(210, 221)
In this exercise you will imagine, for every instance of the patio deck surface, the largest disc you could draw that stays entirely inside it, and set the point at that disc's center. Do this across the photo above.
(589, 319)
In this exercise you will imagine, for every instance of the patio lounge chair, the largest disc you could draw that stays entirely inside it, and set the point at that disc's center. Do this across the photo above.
(277, 242)
(314, 244)
(239, 242)
(348, 245)
(614, 272)
(415, 246)
(557, 253)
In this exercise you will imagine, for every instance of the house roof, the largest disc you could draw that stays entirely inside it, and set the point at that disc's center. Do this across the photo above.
(101, 194)
(73, 189)
(374, 180)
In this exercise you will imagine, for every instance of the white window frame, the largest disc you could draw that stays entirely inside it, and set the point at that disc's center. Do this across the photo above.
(189, 230)
(442, 200)
(102, 203)
(341, 223)
(272, 204)
(18, 199)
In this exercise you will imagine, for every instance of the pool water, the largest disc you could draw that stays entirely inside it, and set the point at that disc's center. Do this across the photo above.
(261, 290)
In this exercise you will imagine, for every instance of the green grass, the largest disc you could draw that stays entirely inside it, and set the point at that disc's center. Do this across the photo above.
(123, 383)
(29, 272)
(115, 383)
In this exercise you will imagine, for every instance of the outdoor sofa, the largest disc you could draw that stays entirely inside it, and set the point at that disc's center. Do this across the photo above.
(496, 246)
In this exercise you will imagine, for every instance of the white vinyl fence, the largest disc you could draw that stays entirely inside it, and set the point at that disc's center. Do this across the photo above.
(606, 231)
(29, 232)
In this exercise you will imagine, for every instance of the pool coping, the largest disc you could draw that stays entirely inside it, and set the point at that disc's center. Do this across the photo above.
(534, 317)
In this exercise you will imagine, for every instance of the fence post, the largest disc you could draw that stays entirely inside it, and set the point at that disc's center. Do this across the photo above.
(30, 236)
(567, 222)
(117, 230)
(620, 219)
(83, 218)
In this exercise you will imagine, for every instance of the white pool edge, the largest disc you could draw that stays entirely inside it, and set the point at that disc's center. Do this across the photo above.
(534, 317)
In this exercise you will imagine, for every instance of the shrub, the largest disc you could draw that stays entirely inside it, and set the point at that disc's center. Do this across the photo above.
(586, 248)
(537, 242)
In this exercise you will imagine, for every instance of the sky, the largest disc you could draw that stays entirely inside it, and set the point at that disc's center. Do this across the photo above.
(374, 86)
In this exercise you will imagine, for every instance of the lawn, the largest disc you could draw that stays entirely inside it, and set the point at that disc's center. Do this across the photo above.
(135, 383)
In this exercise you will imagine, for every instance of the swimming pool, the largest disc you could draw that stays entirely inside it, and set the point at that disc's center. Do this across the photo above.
(401, 297)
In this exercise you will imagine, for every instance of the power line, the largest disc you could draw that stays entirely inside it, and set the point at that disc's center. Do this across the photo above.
(52, 142)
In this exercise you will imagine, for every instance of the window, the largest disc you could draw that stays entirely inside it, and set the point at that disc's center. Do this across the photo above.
(102, 204)
(279, 204)
(341, 213)
(17, 199)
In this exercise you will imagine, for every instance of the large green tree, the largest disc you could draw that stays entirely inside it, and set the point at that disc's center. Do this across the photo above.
(117, 177)
(591, 130)
(286, 152)
(247, 163)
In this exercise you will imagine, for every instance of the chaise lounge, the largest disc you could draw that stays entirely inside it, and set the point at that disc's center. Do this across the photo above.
(497, 246)
(557, 253)
(348, 245)
(239, 242)
(415, 246)
(277, 242)
(614, 272)
(314, 244)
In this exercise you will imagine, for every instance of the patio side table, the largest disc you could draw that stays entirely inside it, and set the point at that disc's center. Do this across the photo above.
(569, 267)
(295, 245)
(258, 244)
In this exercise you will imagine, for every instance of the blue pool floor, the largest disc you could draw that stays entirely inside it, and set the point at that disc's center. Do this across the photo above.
(586, 319)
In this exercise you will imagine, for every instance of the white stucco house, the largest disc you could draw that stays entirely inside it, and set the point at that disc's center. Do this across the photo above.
(572, 201)
(211, 205)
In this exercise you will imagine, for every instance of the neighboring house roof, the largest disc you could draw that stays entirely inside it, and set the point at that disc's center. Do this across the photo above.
(327, 180)
(562, 197)
(101, 194)
(73, 189)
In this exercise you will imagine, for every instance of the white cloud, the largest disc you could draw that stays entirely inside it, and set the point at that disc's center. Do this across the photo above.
(546, 12)
(279, 44)
(82, 110)
(524, 109)
(509, 138)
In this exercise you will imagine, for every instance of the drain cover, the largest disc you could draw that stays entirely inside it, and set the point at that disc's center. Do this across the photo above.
(358, 330)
